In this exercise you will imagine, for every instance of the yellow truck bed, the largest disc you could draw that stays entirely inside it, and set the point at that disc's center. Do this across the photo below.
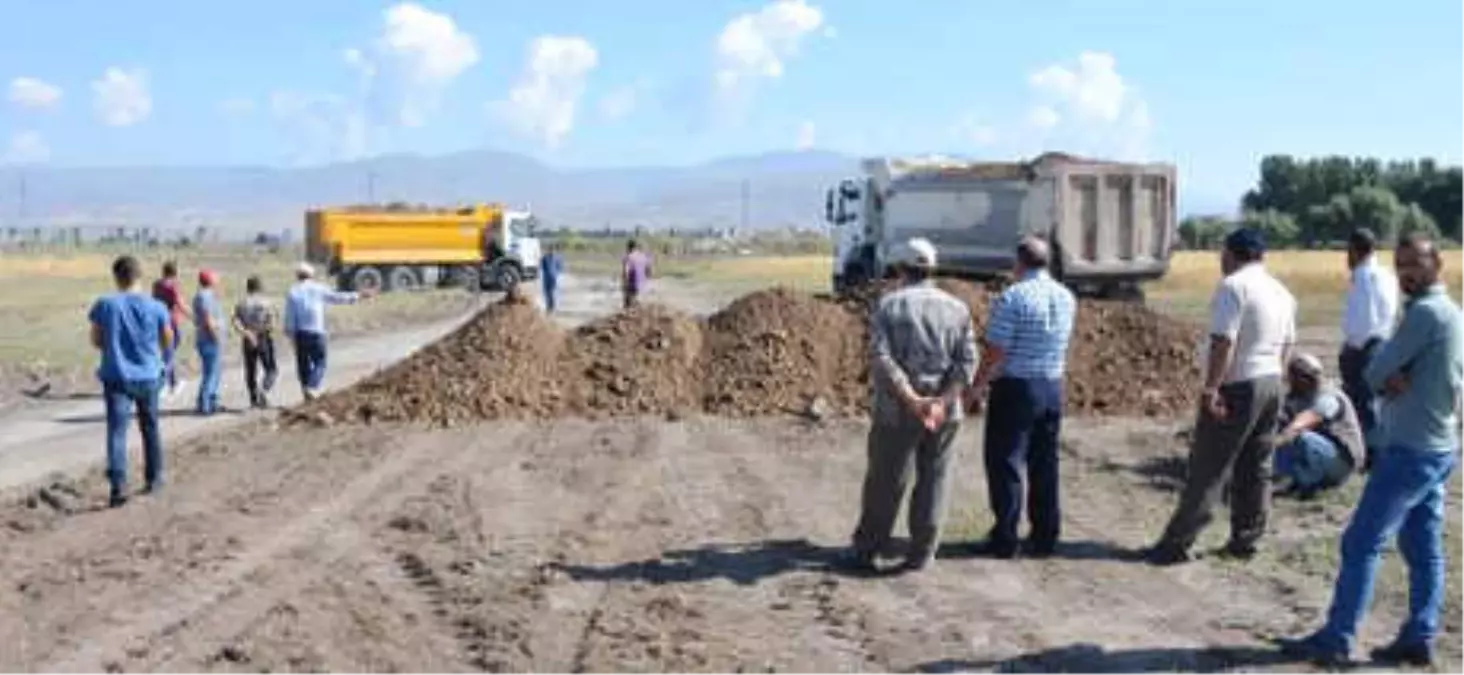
(342, 238)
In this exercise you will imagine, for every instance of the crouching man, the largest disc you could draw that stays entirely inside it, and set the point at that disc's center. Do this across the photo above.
(923, 353)
(1321, 442)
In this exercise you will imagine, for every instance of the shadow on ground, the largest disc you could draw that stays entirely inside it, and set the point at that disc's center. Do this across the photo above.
(98, 419)
(743, 564)
(1091, 658)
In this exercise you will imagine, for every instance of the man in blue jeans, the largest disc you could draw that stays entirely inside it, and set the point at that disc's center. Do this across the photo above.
(131, 330)
(1321, 442)
(550, 267)
(208, 314)
(305, 324)
(1419, 373)
(1026, 355)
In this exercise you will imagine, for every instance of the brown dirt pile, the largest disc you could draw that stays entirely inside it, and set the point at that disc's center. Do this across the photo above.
(776, 351)
(641, 361)
(771, 352)
(503, 363)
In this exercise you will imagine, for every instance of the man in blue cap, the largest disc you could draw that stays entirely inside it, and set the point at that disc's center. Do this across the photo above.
(1252, 330)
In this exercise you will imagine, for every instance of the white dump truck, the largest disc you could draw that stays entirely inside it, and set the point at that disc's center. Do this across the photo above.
(1111, 224)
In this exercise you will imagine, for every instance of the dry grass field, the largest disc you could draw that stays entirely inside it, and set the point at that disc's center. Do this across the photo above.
(43, 311)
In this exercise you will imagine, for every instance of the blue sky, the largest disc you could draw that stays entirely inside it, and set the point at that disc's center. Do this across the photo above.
(1207, 84)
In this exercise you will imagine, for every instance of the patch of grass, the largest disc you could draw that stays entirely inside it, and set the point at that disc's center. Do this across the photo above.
(45, 327)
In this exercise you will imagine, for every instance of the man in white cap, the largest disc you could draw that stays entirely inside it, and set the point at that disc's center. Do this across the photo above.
(1022, 370)
(1321, 441)
(305, 324)
(923, 353)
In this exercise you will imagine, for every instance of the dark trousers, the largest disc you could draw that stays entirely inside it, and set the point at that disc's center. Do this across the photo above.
(259, 355)
(310, 359)
(1236, 449)
(892, 447)
(551, 294)
(1351, 363)
(121, 398)
(1023, 420)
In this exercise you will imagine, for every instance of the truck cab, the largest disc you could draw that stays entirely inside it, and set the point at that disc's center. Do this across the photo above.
(847, 211)
(511, 251)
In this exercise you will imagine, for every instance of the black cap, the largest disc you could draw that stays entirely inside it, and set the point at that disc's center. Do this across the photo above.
(1246, 240)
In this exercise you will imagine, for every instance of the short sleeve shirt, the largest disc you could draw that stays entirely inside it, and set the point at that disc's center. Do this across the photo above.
(1258, 315)
(132, 326)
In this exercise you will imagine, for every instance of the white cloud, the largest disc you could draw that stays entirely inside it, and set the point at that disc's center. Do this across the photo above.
(1043, 117)
(419, 53)
(26, 147)
(757, 46)
(807, 136)
(237, 106)
(1092, 90)
(29, 92)
(121, 97)
(619, 102)
(1087, 106)
(541, 105)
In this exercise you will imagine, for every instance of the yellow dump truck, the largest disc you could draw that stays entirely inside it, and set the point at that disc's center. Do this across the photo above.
(483, 246)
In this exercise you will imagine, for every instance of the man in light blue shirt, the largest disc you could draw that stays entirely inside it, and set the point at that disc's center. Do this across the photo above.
(305, 324)
(1023, 364)
(131, 330)
(1419, 373)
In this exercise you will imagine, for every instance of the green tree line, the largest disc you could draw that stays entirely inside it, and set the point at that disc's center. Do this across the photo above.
(1316, 202)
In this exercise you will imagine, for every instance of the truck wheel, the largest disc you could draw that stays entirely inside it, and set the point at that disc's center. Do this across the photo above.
(366, 279)
(402, 278)
(506, 277)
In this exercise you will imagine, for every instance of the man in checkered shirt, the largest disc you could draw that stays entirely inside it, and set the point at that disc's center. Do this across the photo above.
(1022, 373)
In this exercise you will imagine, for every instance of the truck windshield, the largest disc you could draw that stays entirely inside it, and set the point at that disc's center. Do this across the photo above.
(522, 226)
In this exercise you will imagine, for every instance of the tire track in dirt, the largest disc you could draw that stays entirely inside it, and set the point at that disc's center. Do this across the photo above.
(394, 479)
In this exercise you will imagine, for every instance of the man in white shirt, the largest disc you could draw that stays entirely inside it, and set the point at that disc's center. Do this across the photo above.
(1372, 309)
(1252, 330)
(305, 324)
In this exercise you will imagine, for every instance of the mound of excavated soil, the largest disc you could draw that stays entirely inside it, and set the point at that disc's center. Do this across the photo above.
(771, 352)
(503, 363)
(776, 351)
(1127, 359)
(641, 361)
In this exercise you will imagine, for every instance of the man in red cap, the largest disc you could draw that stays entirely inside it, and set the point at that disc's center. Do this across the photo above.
(208, 317)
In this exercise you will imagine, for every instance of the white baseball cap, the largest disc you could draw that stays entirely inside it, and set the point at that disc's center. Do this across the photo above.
(305, 269)
(917, 252)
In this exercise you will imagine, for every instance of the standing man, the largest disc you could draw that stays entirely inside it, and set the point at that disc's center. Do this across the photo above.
(1419, 373)
(166, 291)
(1372, 308)
(1320, 443)
(550, 267)
(305, 324)
(131, 331)
(254, 318)
(208, 318)
(923, 353)
(635, 271)
(1252, 330)
(1022, 370)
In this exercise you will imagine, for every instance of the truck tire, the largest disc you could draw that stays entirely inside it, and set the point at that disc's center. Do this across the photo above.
(402, 279)
(468, 277)
(507, 276)
(366, 278)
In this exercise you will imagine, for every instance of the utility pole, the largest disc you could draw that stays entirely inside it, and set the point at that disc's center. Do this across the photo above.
(20, 204)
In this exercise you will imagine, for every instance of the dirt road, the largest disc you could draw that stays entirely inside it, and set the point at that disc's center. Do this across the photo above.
(38, 440)
(696, 545)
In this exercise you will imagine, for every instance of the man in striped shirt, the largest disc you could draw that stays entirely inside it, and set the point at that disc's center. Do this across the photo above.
(1022, 372)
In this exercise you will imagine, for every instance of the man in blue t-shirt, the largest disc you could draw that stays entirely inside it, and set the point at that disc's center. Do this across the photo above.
(131, 330)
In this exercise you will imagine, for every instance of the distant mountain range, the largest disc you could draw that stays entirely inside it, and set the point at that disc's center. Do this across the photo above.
(782, 189)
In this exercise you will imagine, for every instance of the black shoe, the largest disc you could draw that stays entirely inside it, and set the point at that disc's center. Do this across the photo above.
(116, 500)
(1399, 654)
(1165, 556)
(858, 562)
(1001, 550)
(1039, 549)
(1239, 552)
(914, 562)
(1311, 649)
(152, 488)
